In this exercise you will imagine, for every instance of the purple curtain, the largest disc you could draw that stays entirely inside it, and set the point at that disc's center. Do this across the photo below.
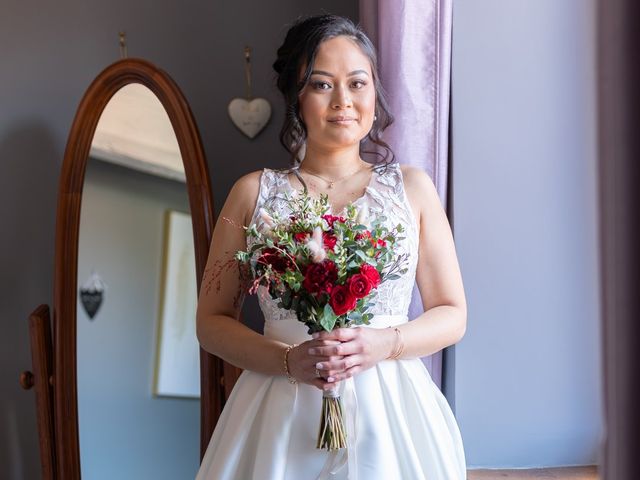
(413, 38)
(619, 197)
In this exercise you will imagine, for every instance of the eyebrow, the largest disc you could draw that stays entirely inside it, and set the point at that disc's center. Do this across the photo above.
(322, 72)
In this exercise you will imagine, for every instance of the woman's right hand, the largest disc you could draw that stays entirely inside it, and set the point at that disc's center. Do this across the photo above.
(302, 365)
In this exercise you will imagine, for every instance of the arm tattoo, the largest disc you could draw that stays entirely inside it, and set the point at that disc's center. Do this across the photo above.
(212, 278)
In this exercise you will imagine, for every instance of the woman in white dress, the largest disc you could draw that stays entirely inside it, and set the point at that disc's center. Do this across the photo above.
(399, 425)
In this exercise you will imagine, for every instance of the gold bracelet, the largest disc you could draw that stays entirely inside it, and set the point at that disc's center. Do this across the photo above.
(399, 349)
(286, 363)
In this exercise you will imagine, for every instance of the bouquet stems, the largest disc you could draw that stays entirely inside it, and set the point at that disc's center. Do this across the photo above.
(332, 434)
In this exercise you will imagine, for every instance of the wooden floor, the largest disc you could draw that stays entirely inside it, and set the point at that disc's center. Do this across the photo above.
(565, 473)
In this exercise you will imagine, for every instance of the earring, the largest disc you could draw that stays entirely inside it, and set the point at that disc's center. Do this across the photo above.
(375, 117)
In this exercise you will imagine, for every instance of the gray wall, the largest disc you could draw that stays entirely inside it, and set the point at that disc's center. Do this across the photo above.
(123, 427)
(50, 53)
(528, 379)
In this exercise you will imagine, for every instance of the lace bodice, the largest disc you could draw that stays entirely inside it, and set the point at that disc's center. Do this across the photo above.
(384, 195)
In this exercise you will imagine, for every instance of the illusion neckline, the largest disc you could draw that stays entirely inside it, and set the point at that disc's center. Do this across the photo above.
(368, 186)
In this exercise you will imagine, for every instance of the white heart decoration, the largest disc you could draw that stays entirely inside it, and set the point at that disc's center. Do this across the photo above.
(250, 116)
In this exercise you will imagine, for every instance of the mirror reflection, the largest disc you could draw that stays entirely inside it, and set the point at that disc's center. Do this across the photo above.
(138, 364)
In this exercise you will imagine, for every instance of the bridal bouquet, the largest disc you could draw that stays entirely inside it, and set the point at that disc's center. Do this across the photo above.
(326, 269)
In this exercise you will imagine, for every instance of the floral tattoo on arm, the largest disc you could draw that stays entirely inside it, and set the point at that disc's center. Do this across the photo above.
(212, 278)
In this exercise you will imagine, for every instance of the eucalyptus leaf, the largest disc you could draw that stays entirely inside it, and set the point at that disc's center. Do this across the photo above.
(328, 318)
(361, 255)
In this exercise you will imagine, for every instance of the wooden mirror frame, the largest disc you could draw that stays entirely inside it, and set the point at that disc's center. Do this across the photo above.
(65, 396)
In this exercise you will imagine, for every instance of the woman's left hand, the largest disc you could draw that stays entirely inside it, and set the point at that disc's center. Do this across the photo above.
(361, 349)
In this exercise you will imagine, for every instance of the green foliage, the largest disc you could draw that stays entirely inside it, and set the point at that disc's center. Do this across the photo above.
(328, 318)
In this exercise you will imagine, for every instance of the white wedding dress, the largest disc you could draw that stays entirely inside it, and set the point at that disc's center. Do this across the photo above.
(399, 424)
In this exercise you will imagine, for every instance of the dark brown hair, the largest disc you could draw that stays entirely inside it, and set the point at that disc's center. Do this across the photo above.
(301, 45)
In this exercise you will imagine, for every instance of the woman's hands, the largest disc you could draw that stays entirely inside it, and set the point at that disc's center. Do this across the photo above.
(302, 365)
(343, 352)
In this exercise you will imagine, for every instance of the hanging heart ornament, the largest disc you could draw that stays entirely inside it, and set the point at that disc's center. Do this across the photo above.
(249, 114)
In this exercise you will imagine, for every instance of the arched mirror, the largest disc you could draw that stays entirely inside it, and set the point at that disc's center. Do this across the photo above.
(134, 224)
(137, 356)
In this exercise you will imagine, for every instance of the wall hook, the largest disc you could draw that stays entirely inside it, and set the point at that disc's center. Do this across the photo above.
(247, 69)
(123, 44)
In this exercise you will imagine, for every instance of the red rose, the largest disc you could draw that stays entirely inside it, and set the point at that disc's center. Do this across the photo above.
(371, 273)
(364, 234)
(359, 285)
(301, 236)
(279, 262)
(342, 300)
(329, 240)
(320, 277)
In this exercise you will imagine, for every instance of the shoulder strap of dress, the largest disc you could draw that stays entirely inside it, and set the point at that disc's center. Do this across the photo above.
(272, 183)
(390, 177)
(266, 179)
(405, 200)
(390, 192)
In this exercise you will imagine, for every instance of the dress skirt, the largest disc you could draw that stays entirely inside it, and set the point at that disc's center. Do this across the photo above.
(399, 425)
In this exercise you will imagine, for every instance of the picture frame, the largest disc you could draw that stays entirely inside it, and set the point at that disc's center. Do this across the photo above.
(177, 362)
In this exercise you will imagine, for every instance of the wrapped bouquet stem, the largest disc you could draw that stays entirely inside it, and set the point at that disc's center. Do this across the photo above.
(326, 269)
(332, 434)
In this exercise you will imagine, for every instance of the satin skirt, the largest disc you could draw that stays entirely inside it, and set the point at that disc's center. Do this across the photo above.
(399, 425)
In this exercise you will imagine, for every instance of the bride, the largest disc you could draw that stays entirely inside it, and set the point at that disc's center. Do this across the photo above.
(400, 424)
